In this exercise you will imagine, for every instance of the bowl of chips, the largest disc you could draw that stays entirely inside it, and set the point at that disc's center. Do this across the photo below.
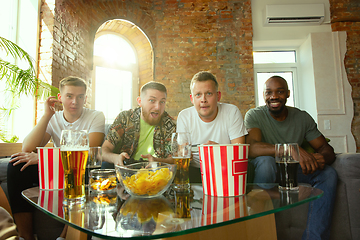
(102, 180)
(146, 179)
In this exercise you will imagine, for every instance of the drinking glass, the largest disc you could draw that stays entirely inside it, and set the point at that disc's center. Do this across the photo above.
(287, 160)
(94, 162)
(181, 153)
(74, 149)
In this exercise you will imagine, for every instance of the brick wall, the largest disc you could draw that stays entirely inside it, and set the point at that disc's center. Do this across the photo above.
(187, 36)
(345, 16)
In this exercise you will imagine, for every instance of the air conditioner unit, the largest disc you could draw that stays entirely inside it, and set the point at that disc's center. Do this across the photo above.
(295, 14)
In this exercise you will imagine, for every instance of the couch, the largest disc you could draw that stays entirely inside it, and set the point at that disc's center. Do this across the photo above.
(291, 223)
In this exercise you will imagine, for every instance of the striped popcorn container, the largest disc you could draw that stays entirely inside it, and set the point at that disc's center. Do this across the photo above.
(218, 210)
(52, 201)
(51, 173)
(224, 169)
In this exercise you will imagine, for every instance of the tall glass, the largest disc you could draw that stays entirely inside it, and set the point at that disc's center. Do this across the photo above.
(181, 153)
(287, 159)
(74, 149)
(94, 162)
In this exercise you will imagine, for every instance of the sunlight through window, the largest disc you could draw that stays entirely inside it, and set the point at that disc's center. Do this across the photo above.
(113, 48)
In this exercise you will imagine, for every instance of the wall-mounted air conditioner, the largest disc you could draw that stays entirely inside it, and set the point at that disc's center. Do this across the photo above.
(294, 14)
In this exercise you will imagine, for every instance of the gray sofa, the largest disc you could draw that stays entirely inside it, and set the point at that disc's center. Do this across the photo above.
(291, 223)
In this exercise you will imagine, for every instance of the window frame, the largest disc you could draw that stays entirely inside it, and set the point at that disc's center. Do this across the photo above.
(132, 67)
(276, 68)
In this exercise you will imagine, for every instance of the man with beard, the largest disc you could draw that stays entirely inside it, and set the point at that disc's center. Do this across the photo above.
(144, 132)
(277, 123)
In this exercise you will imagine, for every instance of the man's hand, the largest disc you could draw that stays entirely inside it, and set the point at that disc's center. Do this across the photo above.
(24, 157)
(210, 143)
(50, 105)
(308, 162)
(120, 159)
(320, 160)
(149, 157)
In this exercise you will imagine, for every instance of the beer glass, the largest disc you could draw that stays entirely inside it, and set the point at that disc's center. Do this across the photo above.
(181, 153)
(287, 159)
(74, 149)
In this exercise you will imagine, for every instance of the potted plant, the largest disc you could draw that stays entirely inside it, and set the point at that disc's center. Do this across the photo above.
(18, 81)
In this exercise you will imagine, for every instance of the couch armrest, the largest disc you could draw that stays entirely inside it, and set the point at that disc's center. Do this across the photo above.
(347, 165)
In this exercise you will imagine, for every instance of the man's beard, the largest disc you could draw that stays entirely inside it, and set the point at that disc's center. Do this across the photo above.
(150, 120)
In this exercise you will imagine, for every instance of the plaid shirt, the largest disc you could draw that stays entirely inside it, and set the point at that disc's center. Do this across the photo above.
(124, 133)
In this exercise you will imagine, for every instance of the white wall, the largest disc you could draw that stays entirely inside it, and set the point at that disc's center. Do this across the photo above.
(283, 36)
(322, 86)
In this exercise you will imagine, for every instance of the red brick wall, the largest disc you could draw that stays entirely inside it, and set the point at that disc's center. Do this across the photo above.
(187, 36)
(345, 16)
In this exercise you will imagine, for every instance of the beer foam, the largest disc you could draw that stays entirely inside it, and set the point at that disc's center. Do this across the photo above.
(74, 148)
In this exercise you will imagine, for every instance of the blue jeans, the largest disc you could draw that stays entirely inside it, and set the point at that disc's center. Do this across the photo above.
(320, 210)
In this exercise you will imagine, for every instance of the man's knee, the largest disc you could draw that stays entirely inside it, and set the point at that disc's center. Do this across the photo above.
(265, 169)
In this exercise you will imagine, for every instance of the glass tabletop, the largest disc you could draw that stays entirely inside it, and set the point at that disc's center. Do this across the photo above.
(115, 215)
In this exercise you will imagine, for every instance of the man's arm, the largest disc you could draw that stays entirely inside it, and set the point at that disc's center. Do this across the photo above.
(109, 156)
(38, 137)
(257, 147)
(240, 140)
(96, 139)
(322, 147)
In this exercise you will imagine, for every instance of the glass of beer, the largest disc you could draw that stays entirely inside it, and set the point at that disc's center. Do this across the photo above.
(287, 159)
(74, 150)
(181, 153)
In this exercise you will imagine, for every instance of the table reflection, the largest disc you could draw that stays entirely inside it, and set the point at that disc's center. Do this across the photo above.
(116, 214)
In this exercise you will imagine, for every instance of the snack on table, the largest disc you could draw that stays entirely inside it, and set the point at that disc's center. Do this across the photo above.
(147, 181)
(102, 179)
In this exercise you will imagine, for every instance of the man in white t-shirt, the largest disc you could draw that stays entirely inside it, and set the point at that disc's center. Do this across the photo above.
(208, 121)
(23, 167)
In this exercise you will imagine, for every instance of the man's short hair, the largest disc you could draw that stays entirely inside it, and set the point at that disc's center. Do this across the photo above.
(72, 81)
(280, 78)
(153, 85)
(203, 76)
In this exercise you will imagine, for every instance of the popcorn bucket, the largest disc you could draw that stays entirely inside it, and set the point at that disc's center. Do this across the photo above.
(52, 201)
(218, 210)
(51, 173)
(224, 169)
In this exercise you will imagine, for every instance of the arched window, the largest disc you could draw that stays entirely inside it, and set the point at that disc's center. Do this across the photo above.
(116, 75)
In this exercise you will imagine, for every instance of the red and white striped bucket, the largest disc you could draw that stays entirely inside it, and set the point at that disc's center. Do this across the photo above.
(224, 169)
(52, 201)
(51, 173)
(218, 210)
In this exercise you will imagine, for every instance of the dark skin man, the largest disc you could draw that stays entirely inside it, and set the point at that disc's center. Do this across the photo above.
(276, 93)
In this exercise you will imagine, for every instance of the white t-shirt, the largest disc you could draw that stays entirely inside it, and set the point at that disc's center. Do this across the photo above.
(227, 125)
(90, 120)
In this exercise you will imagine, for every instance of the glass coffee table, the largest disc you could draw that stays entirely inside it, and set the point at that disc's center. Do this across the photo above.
(115, 215)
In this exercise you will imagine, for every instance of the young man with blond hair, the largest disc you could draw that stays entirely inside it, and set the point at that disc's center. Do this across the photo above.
(209, 121)
(23, 167)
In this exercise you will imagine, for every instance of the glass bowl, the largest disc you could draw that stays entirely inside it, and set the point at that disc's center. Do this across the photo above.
(146, 179)
(102, 180)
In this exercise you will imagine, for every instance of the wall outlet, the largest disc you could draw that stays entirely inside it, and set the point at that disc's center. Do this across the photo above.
(327, 125)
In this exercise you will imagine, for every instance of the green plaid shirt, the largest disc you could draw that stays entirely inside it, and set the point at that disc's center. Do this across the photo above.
(124, 133)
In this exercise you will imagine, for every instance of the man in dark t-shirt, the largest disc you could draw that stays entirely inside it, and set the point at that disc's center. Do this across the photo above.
(277, 123)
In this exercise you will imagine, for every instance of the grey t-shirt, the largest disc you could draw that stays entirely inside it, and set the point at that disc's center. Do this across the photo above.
(297, 126)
